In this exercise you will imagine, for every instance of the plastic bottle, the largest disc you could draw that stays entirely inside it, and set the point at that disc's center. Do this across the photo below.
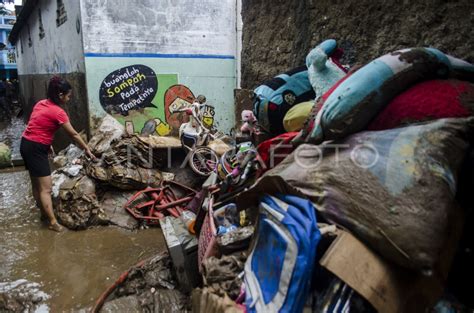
(189, 218)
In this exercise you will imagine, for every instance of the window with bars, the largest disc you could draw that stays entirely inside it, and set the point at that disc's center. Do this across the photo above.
(61, 14)
(30, 42)
(41, 28)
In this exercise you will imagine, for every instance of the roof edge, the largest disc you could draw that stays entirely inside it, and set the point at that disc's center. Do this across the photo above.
(21, 20)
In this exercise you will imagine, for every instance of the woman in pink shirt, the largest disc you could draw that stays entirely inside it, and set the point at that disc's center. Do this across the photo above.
(47, 117)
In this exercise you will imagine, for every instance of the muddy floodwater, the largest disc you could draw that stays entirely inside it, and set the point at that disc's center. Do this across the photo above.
(72, 268)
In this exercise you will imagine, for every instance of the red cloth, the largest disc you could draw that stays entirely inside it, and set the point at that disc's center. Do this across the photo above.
(429, 100)
(279, 152)
(336, 57)
(44, 121)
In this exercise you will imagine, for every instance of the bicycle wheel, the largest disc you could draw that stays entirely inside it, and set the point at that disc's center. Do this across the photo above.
(203, 160)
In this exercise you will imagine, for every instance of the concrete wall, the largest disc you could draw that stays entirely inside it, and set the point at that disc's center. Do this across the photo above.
(183, 49)
(58, 52)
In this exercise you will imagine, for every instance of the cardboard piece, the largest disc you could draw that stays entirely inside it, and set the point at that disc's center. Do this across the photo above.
(388, 288)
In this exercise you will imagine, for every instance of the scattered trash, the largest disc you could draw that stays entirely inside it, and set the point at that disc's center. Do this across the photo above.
(72, 170)
(57, 180)
(219, 146)
(222, 276)
(236, 240)
(124, 177)
(109, 131)
(394, 189)
(336, 296)
(204, 300)
(134, 288)
(227, 216)
(189, 219)
(382, 186)
(237, 167)
(70, 155)
(76, 204)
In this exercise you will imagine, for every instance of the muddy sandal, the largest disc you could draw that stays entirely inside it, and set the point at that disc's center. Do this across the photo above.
(56, 227)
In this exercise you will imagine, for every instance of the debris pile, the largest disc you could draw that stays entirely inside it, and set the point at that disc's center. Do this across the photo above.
(77, 206)
(147, 287)
(22, 296)
(330, 223)
(333, 217)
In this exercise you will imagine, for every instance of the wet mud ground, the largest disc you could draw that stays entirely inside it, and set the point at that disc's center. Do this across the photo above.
(72, 268)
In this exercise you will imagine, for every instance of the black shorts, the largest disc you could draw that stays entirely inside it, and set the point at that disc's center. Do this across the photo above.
(35, 156)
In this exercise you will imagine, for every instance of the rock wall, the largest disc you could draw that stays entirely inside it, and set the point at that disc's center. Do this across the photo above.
(277, 35)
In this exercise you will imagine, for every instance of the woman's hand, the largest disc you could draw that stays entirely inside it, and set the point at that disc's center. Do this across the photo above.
(90, 154)
(78, 139)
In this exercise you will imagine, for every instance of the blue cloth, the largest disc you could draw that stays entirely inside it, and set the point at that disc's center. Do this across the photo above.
(279, 269)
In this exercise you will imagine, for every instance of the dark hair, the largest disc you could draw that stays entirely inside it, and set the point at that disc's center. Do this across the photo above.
(56, 86)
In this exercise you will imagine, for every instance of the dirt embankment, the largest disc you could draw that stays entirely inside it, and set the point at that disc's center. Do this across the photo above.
(277, 35)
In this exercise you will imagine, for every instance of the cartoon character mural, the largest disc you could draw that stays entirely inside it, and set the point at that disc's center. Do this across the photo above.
(177, 97)
(207, 115)
(141, 100)
(155, 125)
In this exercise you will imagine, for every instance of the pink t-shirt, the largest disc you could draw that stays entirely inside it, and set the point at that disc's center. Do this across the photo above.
(44, 121)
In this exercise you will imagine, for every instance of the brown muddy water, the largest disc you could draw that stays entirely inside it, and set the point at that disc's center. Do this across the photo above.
(73, 268)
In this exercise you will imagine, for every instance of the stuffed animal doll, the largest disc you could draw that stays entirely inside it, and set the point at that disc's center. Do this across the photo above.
(250, 123)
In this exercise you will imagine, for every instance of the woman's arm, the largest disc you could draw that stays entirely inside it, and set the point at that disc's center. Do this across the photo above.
(78, 139)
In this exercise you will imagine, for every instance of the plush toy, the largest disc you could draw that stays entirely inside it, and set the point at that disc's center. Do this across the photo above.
(323, 73)
(250, 123)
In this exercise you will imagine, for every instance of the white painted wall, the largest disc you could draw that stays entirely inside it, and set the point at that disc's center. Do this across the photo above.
(159, 26)
(196, 40)
(238, 39)
(60, 51)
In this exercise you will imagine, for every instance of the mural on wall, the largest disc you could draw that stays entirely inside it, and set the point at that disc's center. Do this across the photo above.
(129, 88)
(177, 97)
(207, 113)
(141, 99)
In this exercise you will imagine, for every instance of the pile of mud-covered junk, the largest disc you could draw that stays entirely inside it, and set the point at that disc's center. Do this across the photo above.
(355, 202)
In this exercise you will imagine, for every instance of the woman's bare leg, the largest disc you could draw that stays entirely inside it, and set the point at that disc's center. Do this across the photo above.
(35, 191)
(45, 185)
